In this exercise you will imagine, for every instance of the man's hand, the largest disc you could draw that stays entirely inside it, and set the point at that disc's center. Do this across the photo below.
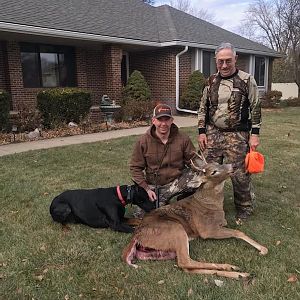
(152, 196)
(202, 141)
(254, 141)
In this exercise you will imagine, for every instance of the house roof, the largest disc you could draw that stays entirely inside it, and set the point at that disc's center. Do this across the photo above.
(130, 21)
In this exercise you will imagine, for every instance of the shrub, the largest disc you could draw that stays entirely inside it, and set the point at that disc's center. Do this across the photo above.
(192, 93)
(63, 105)
(271, 99)
(4, 109)
(27, 118)
(290, 102)
(136, 104)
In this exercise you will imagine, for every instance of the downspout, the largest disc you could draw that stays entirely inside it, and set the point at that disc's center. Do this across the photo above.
(177, 83)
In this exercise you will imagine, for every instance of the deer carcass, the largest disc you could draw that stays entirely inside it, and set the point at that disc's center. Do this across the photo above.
(165, 232)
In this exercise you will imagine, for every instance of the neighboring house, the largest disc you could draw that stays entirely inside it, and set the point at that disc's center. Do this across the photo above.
(288, 90)
(95, 45)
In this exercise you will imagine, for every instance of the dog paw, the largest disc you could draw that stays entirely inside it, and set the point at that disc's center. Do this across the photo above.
(263, 251)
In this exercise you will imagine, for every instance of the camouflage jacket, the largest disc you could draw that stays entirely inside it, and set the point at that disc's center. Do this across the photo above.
(148, 152)
(230, 104)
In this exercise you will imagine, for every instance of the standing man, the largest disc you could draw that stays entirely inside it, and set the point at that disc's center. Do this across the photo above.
(160, 157)
(229, 120)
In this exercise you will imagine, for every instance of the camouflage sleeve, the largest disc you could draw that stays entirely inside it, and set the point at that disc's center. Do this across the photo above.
(255, 106)
(202, 111)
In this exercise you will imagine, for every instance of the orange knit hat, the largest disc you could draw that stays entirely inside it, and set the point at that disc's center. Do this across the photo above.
(254, 162)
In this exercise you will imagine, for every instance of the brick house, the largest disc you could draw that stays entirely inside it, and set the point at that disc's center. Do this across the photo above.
(95, 45)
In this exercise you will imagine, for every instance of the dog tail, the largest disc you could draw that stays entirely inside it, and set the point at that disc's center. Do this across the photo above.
(129, 253)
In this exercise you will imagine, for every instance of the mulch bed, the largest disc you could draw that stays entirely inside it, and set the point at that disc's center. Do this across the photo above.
(7, 138)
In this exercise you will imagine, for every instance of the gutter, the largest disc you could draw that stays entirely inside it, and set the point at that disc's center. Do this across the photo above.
(177, 83)
(59, 33)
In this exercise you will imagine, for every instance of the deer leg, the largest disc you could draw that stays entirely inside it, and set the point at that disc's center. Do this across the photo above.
(224, 233)
(185, 262)
(234, 275)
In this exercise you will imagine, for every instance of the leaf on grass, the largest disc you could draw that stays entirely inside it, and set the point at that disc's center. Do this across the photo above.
(39, 277)
(67, 297)
(205, 280)
(46, 194)
(190, 292)
(293, 278)
(43, 248)
(161, 282)
(219, 283)
(65, 228)
(45, 271)
(278, 243)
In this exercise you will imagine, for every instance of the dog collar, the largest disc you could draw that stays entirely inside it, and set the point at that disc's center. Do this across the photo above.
(120, 196)
(128, 194)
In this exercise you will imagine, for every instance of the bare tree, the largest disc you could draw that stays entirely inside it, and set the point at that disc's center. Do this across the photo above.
(149, 1)
(276, 23)
(186, 6)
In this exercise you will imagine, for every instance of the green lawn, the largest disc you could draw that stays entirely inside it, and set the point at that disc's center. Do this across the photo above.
(39, 260)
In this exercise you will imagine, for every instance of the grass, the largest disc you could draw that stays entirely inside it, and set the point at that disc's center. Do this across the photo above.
(39, 260)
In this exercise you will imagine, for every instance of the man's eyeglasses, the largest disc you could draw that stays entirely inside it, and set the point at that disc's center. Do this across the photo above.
(220, 62)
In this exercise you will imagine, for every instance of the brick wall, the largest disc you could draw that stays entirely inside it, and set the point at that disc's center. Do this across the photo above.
(159, 70)
(98, 71)
(4, 83)
(112, 57)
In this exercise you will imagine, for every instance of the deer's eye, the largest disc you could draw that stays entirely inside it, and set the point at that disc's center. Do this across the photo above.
(214, 172)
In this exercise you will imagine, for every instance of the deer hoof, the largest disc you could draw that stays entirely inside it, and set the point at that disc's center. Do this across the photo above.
(263, 251)
(244, 275)
(234, 268)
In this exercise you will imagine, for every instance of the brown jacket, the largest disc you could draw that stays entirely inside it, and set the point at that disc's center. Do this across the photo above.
(148, 152)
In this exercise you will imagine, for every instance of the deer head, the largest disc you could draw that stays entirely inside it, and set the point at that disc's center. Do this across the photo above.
(210, 172)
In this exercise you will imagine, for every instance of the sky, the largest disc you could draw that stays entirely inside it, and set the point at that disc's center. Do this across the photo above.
(228, 13)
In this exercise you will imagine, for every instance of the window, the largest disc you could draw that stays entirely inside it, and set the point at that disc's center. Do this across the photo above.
(209, 65)
(47, 65)
(125, 68)
(259, 71)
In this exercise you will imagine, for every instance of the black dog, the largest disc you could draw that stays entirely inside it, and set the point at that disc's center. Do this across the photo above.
(102, 207)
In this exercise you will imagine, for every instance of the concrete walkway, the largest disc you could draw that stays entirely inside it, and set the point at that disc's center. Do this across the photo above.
(86, 138)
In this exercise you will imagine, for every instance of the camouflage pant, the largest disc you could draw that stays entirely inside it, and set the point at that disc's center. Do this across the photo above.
(232, 147)
(188, 182)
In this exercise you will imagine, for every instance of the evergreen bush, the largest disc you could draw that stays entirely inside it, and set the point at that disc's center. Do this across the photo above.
(192, 93)
(63, 105)
(136, 104)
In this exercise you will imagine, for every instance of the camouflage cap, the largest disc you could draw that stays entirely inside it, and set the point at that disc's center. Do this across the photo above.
(162, 110)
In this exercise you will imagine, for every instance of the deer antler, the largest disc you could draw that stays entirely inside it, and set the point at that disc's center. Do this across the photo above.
(201, 156)
(196, 168)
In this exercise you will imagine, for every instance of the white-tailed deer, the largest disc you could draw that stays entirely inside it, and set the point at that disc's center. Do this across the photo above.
(165, 232)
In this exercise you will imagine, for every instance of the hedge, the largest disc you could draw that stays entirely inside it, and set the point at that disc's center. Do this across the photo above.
(63, 105)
